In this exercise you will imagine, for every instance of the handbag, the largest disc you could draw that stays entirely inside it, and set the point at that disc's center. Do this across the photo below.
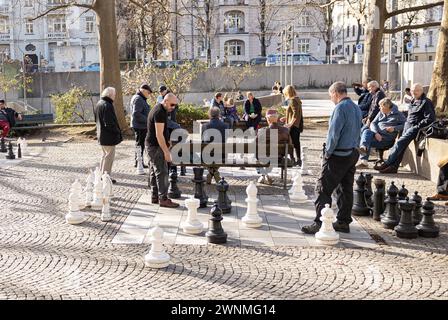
(437, 130)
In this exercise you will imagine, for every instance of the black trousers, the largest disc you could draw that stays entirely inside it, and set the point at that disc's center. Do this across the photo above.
(140, 136)
(442, 184)
(294, 132)
(338, 173)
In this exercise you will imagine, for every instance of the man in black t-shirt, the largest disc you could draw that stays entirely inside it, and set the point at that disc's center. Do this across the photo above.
(157, 144)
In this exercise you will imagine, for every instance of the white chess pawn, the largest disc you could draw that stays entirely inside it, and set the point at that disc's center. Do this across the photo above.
(140, 168)
(192, 225)
(74, 216)
(107, 191)
(157, 257)
(97, 203)
(252, 219)
(90, 181)
(327, 235)
(304, 168)
(296, 193)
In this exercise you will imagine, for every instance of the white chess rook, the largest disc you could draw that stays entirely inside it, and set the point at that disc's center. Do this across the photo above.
(90, 181)
(140, 167)
(296, 193)
(107, 191)
(157, 257)
(192, 225)
(327, 235)
(97, 203)
(74, 216)
(252, 219)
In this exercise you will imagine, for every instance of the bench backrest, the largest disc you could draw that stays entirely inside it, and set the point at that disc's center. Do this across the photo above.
(36, 118)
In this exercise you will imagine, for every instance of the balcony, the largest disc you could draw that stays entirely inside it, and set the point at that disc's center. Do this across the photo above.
(232, 2)
(57, 35)
(234, 30)
(5, 10)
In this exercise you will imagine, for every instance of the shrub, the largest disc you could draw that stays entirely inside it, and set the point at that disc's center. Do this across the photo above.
(188, 113)
(69, 105)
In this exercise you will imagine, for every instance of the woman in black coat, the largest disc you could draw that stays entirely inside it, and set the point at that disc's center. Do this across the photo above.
(252, 111)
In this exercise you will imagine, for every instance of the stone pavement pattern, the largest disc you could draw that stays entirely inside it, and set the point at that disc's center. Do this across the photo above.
(41, 257)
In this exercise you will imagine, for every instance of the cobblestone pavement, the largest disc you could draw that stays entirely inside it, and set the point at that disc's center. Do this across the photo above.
(41, 257)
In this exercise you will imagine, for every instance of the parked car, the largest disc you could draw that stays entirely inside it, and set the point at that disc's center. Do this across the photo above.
(299, 59)
(91, 67)
(236, 63)
(258, 61)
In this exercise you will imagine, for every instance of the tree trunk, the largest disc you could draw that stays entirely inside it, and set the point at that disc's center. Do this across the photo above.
(374, 37)
(438, 91)
(110, 63)
(263, 27)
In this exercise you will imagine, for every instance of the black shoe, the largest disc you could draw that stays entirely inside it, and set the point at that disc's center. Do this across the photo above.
(145, 166)
(114, 181)
(341, 227)
(312, 229)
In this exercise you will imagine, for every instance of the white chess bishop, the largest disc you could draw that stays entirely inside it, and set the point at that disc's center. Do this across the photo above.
(327, 235)
(157, 257)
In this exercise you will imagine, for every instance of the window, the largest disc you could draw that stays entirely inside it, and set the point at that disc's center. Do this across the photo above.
(430, 38)
(234, 48)
(353, 31)
(417, 40)
(90, 24)
(304, 45)
(348, 31)
(29, 26)
(51, 49)
(304, 20)
(430, 58)
(57, 24)
(56, 2)
(234, 22)
(201, 48)
(28, 3)
(4, 25)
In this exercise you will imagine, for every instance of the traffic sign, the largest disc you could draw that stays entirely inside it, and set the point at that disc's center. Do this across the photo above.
(409, 45)
(359, 48)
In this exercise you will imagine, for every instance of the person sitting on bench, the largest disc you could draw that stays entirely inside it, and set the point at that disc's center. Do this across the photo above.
(442, 183)
(209, 136)
(8, 118)
(264, 135)
(252, 111)
(382, 132)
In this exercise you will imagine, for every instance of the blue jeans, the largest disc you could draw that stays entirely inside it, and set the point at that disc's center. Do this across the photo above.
(398, 150)
(368, 140)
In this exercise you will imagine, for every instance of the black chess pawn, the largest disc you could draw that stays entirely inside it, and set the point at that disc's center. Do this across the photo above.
(369, 192)
(417, 212)
(216, 234)
(379, 198)
(427, 227)
(406, 228)
(390, 218)
(199, 190)
(183, 171)
(19, 151)
(223, 202)
(173, 190)
(359, 204)
(11, 155)
(3, 148)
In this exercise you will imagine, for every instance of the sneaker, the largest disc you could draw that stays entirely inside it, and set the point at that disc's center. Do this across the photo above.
(362, 150)
(341, 227)
(439, 197)
(167, 203)
(312, 229)
(363, 164)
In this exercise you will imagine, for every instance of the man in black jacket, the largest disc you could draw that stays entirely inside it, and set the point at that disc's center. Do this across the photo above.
(252, 111)
(377, 95)
(107, 129)
(139, 119)
(8, 118)
(421, 114)
(365, 98)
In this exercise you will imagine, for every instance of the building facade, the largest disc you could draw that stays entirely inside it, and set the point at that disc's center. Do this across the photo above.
(236, 32)
(62, 40)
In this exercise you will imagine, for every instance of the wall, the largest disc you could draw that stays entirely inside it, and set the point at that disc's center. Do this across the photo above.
(414, 72)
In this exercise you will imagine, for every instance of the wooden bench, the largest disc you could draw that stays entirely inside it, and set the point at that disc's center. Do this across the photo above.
(33, 121)
(220, 152)
(242, 124)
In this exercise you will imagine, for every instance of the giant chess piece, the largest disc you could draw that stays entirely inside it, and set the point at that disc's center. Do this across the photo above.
(157, 257)
(3, 148)
(359, 204)
(402, 195)
(379, 198)
(11, 155)
(24, 147)
(417, 212)
(173, 190)
(183, 171)
(97, 203)
(406, 228)
(390, 218)
(107, 193)
(223, 201)
(296, 193)
(427, 227)
(199, 190)
(90, 181)
(140, 168)
(327, 235)
(304, 168)
(77, 188)
(74, 216)
(252, 219)
(369, 192)
(216, 234)
(19, 151)
(192, 225)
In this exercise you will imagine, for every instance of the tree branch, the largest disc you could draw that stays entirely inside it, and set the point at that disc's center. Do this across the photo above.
(412, 27)
(411, 9)
(64, 6)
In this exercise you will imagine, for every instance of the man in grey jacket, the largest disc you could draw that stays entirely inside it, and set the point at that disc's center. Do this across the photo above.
(139, 119)
(382, 132)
